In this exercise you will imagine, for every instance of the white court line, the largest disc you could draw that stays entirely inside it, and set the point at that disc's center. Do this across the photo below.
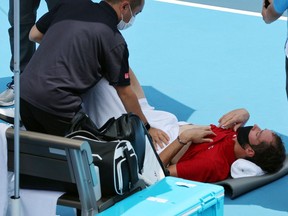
(210, 7)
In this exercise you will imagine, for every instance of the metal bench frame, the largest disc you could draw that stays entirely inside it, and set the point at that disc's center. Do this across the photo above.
(60, 159)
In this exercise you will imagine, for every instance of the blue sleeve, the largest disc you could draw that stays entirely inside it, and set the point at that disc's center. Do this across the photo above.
(280, 6)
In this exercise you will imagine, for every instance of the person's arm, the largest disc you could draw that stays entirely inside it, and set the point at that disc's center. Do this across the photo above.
(130, 101)
(131, 104)
(269, 13)
(234, 119)
(187, 137)
(35, 35)
(135, 85)
(159, 137)
(39, 29)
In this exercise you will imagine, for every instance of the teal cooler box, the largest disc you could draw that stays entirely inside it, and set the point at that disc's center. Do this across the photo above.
(172, 196)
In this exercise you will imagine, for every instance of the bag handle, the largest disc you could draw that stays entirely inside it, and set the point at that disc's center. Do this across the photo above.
(107, 124)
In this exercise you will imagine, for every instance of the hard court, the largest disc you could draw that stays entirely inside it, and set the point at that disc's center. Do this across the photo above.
(200, 59)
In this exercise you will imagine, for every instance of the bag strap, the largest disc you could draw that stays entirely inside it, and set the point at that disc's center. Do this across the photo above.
(133, 175)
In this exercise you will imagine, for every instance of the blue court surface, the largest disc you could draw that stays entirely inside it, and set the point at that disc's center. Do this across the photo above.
(201, 59)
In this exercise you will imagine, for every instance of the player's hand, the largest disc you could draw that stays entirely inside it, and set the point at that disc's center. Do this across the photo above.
(234, 119)
(197, 135)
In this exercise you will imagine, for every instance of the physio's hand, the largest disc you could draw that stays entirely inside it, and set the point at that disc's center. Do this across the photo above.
(159, 137)
(234, 119)
(197, 135)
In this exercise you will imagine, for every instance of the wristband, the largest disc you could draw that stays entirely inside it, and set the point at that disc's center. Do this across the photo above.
(147, 126)
(180, 141)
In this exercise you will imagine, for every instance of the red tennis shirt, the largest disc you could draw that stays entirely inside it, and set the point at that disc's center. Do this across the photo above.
(209, 162)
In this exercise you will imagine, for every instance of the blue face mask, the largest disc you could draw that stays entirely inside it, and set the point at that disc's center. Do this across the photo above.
(123, 25)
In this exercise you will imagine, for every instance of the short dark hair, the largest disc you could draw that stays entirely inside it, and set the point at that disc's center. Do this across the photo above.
(133, 3)
(269, 156)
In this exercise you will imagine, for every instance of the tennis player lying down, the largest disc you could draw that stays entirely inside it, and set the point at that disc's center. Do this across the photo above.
(199, 153)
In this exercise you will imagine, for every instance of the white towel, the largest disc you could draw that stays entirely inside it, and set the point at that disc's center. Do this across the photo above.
(152, 170)
(3, 169)
(33, 202)
(36, 202)
(102, 102)
(244, 168)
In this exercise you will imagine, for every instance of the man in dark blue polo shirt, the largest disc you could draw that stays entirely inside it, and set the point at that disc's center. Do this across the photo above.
(80, 44)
